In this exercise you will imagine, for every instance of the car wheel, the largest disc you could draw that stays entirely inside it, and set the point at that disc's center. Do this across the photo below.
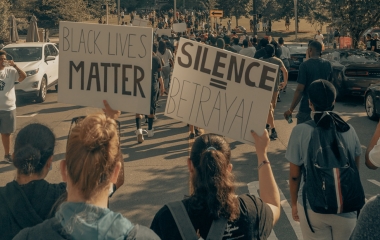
(43, 91)
(370, 107)
(56, 87)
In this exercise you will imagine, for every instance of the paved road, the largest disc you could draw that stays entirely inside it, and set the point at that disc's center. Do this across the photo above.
(156, 172)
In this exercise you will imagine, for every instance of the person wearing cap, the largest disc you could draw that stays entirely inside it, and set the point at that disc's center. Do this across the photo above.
(322, 95)
(271, 58)
(375, 45)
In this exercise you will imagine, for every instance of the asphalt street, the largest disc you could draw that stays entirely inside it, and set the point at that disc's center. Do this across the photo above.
(156, 171)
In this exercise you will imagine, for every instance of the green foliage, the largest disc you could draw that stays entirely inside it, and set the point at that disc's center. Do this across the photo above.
(50, 12)
(4, 13)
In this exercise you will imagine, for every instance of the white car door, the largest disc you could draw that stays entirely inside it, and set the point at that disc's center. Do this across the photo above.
(54, 63)
(49, 66)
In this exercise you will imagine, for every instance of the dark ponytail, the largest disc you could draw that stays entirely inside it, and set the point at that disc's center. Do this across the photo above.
(213, 183)
(34, 145)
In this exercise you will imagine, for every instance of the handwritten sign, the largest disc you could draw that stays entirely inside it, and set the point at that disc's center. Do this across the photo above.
(167, 32)
(223, 92)
(140, 22)
(105, 62)
(179, 27)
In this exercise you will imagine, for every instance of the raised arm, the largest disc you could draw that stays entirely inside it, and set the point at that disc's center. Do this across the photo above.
(268, 187)
(373, 146)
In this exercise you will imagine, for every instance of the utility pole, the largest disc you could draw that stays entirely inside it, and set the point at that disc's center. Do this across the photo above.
(118, 12)
(175, 10)
(254, 18)
(296, 16)
(107, 11)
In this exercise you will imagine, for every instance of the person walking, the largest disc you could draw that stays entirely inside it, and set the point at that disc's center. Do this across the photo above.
(309, 71)
(285, 56)
(325, 205)
(10, 74)
(271, 58)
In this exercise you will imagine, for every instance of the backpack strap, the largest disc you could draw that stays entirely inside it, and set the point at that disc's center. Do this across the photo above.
(217, 229)
(182, 220)
(304, 207)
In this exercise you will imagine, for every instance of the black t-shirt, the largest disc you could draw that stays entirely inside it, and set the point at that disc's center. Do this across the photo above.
(255, 221)
(369, 44)
(156, 64)
(309, 71)
(376, 44)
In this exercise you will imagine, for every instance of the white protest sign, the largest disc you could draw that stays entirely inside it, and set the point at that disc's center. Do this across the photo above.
(167, 32)
(179, 27)
(108, 62)
(223, 92)
(140, 22)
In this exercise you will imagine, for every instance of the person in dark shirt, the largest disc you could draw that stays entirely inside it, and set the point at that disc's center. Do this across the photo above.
(369, 42)
(28, 200)
(375, 45)
(313, 69)
(227, 42)
(261, 53)
(213, 195)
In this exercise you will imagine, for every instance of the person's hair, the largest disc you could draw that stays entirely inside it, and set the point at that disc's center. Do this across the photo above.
(2, 52)
(264, 42)
(317, 46)
(281, 40)
(245, 43)
(212, 182)
(369, 35)
(161, 47)
(34, 145)
(227, 40)
(92, 153)
(322, 94)
(236, 41)
(254, 40)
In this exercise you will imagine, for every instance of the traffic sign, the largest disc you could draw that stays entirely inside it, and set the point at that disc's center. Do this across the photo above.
(216, 13)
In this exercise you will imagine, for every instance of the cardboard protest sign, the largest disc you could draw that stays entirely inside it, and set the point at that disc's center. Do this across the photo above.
(179, 27)
(105, 62)
(167, 32)
(140, 22)
(223, 92)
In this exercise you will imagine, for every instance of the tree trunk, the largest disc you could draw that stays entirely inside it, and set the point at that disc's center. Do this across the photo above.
(237, 21)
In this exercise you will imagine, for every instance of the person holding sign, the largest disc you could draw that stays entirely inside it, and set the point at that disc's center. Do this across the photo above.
(157, 82)
(270, 57)
(213, 196)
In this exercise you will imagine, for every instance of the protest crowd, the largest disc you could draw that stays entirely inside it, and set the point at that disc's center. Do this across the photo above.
(323, 152)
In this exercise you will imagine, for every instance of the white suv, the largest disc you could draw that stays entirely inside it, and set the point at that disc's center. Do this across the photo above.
(40, 63)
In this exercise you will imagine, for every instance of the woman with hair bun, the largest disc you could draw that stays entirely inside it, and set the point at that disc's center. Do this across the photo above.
(92, 165)
(27, 201)
(213, 199)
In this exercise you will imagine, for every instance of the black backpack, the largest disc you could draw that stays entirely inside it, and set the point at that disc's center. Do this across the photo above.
(331, 179)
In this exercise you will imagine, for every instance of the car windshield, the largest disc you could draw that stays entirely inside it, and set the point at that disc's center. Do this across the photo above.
(24, 54)
(352, 57)
(297, 50)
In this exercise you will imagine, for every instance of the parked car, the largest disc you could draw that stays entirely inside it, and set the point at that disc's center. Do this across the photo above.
(40, 63)
(372, 101)
(297, 56)
(353, 70)
(240, 29)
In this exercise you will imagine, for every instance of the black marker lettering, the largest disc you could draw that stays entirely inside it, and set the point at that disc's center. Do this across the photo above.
(172, 96)
(105, 69)
(197, 57)
(125, 80)
(180, 97)
(183, 50)
(195, 93)
(248, 81)
(233, 66)
(116, 71)
(88, 42)
(109, 44)
(218, 64)
(77, 68)
(200, 104)
(125, 44)
(142, 43)
(65, 36)
(129, 44)
(246, 126)
(82, 41)
(220, 104)
(95, 44)
(94, 66)
(239, 116)
(265, 77)
(204, 59)
(137, 81)
(227, 109)
(72, 40)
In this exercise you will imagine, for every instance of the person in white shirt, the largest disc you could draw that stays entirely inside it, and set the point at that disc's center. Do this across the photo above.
(372, 154)
(9, 74)
(285, 55)
(319, 37)
(248, 50)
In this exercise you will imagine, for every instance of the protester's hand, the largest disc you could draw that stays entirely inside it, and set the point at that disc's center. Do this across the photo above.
(114, 114)
(261, 142)
(162, 90)
(11, 63)
(282, 85)
(295, 213)
(287, 114)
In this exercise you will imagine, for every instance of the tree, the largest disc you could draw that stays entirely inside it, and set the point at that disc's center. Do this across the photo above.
(4, 13)
(355, 15)
(50, 12)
